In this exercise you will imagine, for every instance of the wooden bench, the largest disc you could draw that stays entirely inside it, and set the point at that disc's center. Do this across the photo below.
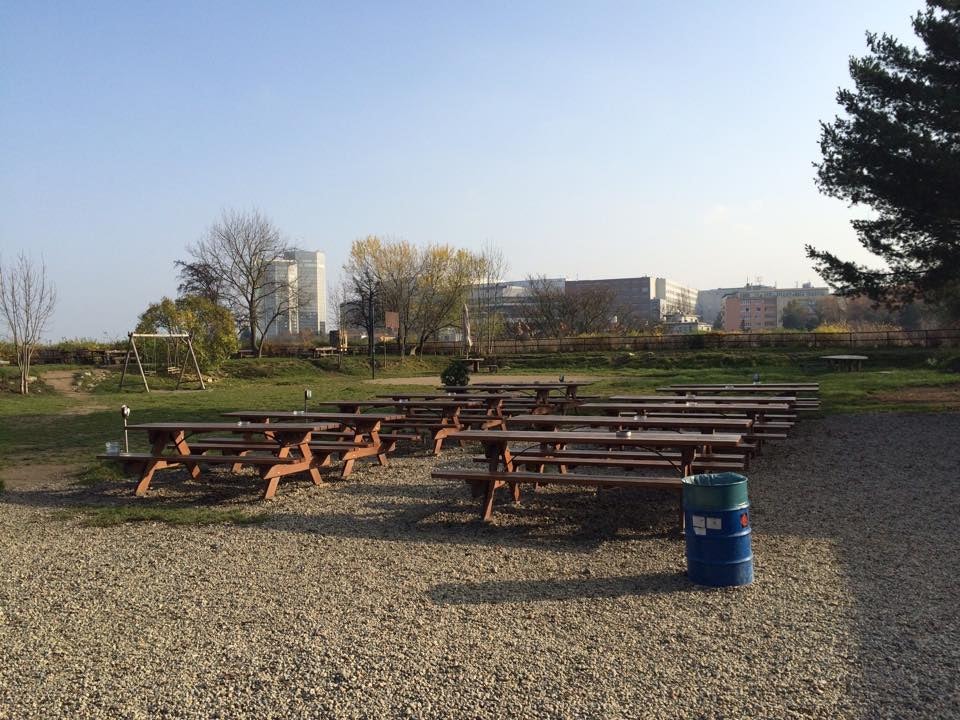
(564, 459)
(486, 483)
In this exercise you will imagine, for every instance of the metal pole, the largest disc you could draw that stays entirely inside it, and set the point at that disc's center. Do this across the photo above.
(125, 412)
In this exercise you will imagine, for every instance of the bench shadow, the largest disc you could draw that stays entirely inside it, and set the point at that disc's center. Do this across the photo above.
(519, 591)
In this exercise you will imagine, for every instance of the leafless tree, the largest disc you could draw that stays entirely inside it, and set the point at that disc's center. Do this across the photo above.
(365, 306)
(199, 279)
(554, 312)
(488, 296)
(244, 254)
(27, 300)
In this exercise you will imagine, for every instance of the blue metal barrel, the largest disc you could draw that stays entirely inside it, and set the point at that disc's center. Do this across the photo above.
(716, 513)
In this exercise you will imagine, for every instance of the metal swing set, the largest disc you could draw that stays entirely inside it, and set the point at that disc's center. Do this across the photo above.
(176, 338)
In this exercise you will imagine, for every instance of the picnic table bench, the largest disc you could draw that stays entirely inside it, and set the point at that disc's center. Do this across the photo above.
(502, 461)
(350, 436)
(287, 447)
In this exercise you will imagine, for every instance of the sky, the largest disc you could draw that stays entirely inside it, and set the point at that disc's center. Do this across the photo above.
(586, 139)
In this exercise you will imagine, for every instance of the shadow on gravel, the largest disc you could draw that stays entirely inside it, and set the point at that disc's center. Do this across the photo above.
(519, 591)
(169, 489)
(882, 489)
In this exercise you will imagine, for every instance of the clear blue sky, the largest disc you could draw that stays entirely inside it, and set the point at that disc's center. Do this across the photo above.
(588, 139)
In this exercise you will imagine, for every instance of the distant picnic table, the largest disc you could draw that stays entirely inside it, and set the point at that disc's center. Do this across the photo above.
(845, 362)
(438, 418)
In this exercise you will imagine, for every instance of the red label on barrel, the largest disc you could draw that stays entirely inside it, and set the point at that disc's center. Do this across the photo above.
(744, 520)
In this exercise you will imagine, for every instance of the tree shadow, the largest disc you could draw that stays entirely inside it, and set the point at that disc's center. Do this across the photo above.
(881, 490)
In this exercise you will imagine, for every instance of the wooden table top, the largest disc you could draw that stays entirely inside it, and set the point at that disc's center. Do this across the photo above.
(661, 421)
(744, 386)
(454, 397)
(191, 426)
(447, 403)
(685, 408)
(724, 399)
(339, 418)
(640, 439)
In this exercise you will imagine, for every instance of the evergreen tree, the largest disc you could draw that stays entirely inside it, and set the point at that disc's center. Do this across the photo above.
(897, 151)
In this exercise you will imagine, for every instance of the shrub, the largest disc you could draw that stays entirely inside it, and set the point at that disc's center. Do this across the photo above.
(456, 373)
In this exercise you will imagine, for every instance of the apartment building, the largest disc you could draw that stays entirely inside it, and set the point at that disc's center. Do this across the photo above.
(761, 308)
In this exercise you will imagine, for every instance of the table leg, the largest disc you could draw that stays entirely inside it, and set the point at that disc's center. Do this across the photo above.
(687, 456)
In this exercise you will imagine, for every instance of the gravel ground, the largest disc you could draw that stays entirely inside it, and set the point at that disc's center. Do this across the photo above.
(384, 596)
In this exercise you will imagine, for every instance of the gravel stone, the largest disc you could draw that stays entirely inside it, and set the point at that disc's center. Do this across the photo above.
(384, 596)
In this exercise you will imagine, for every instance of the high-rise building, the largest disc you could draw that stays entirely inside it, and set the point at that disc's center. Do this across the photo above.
(281, 274)
(312, 287)
(304, 274)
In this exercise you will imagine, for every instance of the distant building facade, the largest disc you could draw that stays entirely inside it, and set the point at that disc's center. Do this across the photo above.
(643, 299)
(305, 274)
(681, 324)
(761, 308)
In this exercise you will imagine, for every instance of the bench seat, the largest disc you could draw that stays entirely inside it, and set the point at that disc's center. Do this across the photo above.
(574, 460)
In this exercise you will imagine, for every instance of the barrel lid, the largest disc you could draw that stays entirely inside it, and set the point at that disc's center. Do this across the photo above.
(714, 479)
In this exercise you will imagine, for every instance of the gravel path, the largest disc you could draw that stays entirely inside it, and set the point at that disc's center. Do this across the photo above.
(383, 596)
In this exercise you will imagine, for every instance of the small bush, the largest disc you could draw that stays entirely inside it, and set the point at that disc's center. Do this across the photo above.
(456, 373)
(951, 364)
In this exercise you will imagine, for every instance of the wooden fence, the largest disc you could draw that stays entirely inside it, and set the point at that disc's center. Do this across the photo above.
(629, 343)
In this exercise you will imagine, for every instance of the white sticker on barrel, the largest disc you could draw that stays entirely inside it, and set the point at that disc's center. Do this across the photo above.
(714, 523)
(699, 531)
(698, 521)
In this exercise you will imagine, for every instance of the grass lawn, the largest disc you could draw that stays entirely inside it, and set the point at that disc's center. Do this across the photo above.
(67, 427)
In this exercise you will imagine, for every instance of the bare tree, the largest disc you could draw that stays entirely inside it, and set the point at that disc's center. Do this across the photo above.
(549, 314)
(27, 300)
(199, 279)
(556, 312)
(488, 296)
(245, 256)
(365, 307)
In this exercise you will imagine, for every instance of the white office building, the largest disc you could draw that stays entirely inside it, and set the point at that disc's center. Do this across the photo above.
(305, 274)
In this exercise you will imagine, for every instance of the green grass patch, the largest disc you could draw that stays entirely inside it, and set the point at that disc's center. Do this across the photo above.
(55, 428)
(120, 515)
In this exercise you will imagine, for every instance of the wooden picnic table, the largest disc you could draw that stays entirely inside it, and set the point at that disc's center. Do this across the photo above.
(786, 388)
(501, 468)
(750, 409)
(357, 435)
(845, 362)
(169, 448)
(437, 417)
(491, 416)
(638, 422)
(541, 389)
